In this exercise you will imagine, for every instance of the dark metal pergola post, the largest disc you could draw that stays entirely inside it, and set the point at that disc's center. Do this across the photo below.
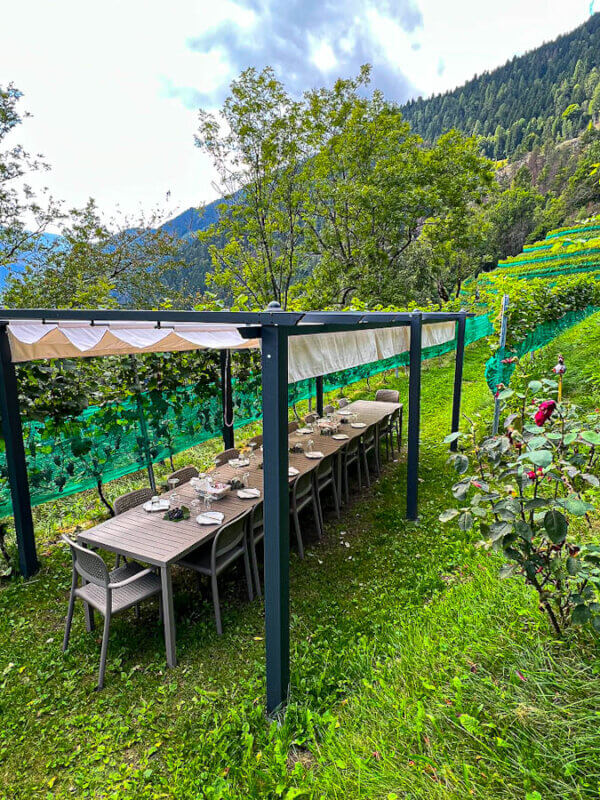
(276, 512)
(227, 398)
(319, 394)
(414, 418)
(458, 374)
(15, 459)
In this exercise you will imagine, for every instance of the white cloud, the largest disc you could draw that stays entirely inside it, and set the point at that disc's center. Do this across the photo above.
(104, 81)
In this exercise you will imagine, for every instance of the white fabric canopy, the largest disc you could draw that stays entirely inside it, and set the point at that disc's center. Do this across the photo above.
(309, 355)
(30, 340)
(322, 353)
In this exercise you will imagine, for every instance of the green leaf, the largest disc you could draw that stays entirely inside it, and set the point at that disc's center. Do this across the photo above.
(500, 529)
(570, 437)
(556, 526)
(536, 442)
(536, 502)
(591, 479)
(461, 463)
(465, 521)
(535, 386)
(541, 458)
(452, 437)
(505, 394)
(506, 570)
(591, 437)
(524, 530)
(576, 506)
(572, 565)
(447, 515)
(581, 614)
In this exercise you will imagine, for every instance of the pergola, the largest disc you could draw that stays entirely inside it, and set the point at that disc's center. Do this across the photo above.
(27, 334)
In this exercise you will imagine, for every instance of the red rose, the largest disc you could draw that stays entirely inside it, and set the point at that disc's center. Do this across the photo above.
(531, 474)
(544, 412)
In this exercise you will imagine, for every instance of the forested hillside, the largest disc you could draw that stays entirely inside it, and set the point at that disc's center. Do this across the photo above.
(549, 94)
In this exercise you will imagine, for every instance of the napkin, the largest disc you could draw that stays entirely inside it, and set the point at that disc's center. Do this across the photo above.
(246, 494)
(210, 518)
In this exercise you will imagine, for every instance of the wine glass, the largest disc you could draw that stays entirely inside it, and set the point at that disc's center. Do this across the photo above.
(309, 446)
(245, 479)
(174, 497)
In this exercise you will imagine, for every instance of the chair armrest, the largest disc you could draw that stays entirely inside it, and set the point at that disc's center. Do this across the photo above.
(131, 579)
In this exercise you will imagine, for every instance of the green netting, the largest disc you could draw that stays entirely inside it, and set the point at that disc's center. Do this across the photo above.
(529, 275)
(497, 372)
(517, 262)
(116, 439)
(566, 231)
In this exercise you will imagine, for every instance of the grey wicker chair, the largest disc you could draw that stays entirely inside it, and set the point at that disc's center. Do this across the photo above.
(304, 494)
(325, 477)
(109, 593)
(328, 410)
(226, 455)
(369, 444)
(230, 544)
(127, 501)
(393, 423)
(184, 474)
(293, 426)
(343, 402)
(351, 455)
(255, 441)
(310, 418)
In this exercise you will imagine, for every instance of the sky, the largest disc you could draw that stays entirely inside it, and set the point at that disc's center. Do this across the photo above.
(114, 87)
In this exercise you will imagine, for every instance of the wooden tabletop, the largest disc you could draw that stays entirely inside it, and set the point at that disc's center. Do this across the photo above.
(149, 538)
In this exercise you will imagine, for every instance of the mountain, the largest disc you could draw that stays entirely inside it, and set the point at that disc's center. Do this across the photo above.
(551, 93)
(192, 220)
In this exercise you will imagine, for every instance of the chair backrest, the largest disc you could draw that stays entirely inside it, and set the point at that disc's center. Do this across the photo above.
(226, 455)
(328, 409)
(310, 418)
(343, 402)
(258, 517)
(387, 396)
(255, 441)
(292, 426)
(230, 535)
(369, 434)
(132, 499)
(325, 467)
(184, 474)
(352, 445)
(88, 564)
(302, 486)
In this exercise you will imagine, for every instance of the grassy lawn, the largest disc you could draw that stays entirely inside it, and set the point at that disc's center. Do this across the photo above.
(416, 673)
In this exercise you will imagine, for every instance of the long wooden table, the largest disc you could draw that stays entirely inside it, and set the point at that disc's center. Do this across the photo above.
(149, 538)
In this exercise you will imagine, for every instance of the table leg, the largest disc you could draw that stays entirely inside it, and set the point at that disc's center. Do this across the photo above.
(168, 615)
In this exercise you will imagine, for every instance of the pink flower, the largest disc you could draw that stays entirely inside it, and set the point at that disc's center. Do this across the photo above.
(531, 474)
(544, 412)
(520, 676)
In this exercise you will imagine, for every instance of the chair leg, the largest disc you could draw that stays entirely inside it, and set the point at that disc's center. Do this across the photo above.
(336, 498)
(298, 534)
(316, 504)
(215, 594)
(366, 463)
(70, 613)
(320, 507)
(104, 650)
(360, 483)
(346, 482)
(248, 572)
(255, 568)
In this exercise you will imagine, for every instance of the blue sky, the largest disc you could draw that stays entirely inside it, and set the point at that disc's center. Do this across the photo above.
(114, 86)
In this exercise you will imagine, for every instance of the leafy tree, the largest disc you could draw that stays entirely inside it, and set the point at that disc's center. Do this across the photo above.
(17, 199)
(98, 265)
(258, 153)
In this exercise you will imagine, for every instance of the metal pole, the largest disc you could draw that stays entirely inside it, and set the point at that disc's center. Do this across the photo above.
(227, 399)
(503, 324)
(276, 513)
(15, 459)
(458, 373)
(319, 392)
(414, 419)
(142, 421)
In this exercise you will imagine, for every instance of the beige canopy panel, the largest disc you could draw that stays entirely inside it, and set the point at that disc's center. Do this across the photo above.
(67, 339)
(309, 355)
(322, 353)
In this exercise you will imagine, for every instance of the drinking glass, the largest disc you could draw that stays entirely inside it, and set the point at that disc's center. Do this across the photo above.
(309, 446)
(245, 479)
(173, 497)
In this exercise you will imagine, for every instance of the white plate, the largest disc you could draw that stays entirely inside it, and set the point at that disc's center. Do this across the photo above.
(248, 494)
(162, 505)
(210, 518)
(304, 430)
(344, 412)
(314, 454)
(239, 462)
(340, 436)
(358, 424)
(292, 471)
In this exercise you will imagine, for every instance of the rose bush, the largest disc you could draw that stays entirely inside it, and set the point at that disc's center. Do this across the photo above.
(528, 492)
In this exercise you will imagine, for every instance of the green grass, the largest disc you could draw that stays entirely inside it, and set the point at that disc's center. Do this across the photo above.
(405, 652)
